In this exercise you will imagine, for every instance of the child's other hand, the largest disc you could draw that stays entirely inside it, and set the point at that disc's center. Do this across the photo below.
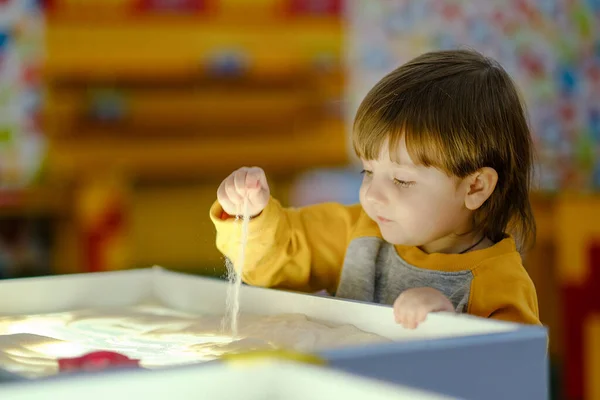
(413, 305)
(250, 182)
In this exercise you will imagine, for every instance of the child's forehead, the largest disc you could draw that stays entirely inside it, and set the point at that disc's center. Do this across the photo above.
(396, 154)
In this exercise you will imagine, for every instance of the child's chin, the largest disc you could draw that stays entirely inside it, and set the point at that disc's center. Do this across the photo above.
(393, 239)
(398, 239)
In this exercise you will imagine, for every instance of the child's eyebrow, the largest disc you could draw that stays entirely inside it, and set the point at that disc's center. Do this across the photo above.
(406, 168)
(403, 165)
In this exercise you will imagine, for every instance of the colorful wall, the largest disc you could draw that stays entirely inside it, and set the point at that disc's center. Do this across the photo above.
(22, 144)
(551, 48)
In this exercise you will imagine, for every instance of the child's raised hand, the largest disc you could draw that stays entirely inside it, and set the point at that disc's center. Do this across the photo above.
(413, 305)
(245, 181)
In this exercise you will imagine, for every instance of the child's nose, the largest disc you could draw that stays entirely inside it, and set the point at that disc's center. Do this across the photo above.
(375, 195)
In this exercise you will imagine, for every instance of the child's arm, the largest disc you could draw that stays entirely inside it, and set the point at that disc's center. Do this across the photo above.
(504, 292)
(293, 249)
(299, 249)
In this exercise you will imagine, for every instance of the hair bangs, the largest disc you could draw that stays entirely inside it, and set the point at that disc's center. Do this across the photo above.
(388, 124)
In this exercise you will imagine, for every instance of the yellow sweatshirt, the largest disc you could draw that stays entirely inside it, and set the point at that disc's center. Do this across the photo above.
(340, 249)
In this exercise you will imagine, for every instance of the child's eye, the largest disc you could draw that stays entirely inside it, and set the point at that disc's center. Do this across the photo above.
(403, 184)
(366, 172)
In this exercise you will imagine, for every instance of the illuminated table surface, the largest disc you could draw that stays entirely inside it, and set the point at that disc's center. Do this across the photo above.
(457, 355)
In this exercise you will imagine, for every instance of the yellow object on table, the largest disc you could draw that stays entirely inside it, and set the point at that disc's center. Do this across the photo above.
(267, 356)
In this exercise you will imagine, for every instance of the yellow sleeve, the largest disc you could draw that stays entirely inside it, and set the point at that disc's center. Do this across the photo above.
(298, 249)
(502, 289)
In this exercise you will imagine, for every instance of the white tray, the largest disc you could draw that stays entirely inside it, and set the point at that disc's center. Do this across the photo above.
(216, 382)
(458, 355)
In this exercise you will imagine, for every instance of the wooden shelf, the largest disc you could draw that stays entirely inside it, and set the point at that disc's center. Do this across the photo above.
(161, 49)
(323, 144)
(153, 111)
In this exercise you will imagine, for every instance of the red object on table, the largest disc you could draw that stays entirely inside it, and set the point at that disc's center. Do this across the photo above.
(96, 361)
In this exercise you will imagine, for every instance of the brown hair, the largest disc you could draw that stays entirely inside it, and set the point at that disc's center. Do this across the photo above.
(459, 112)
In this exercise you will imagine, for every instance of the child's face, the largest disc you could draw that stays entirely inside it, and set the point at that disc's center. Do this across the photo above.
(412, 204)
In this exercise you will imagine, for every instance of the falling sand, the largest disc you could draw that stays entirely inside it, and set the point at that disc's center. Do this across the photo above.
(234, 273)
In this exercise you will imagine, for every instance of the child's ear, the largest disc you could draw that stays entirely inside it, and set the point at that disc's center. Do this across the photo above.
(480, 187)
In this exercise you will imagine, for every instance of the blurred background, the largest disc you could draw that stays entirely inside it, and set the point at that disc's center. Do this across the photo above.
(119, 118)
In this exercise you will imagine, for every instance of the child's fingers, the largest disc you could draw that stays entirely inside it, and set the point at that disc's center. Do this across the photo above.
(259, 199)
(405, 320)
(421, 315)
(262, 177)
(402, 314)
(232, 194)
(398, 316)
(258, 188)
(256, 179)
(243, 182)
(411, 320)
(239, 181)
(224, 201)
(409, 316)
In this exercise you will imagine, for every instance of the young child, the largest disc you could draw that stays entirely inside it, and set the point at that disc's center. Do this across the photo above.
(447, 154)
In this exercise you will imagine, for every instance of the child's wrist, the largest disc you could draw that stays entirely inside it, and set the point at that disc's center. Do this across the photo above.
(225, 216)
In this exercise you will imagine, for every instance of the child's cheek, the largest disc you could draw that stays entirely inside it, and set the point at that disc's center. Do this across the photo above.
(362, 197)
